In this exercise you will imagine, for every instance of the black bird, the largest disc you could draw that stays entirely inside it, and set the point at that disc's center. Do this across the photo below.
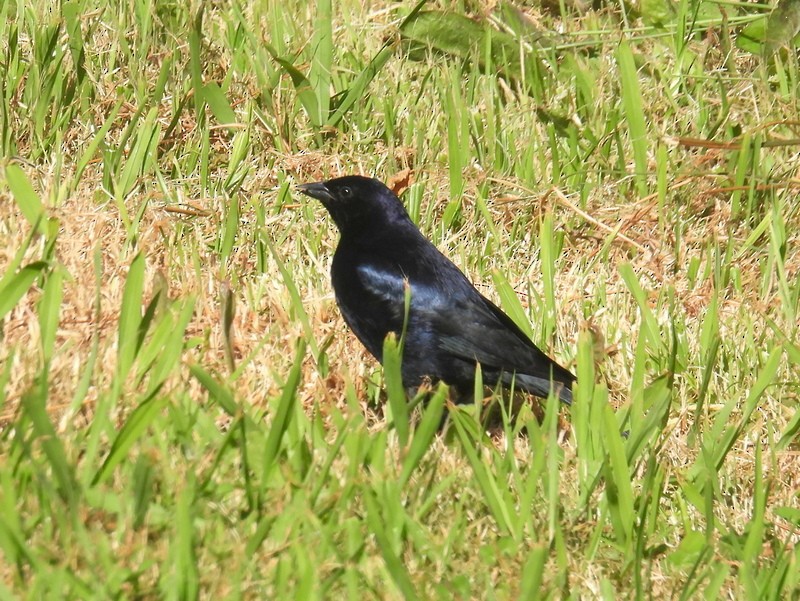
(451, 326)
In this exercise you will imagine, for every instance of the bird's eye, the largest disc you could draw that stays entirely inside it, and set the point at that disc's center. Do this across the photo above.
(346, 192)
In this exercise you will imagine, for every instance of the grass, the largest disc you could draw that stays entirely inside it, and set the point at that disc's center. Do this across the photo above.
(183, 413)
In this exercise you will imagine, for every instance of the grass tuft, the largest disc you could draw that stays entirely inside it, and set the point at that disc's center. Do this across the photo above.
(184, 413)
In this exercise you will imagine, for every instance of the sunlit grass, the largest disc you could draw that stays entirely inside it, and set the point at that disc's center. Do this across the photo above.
(182, 411)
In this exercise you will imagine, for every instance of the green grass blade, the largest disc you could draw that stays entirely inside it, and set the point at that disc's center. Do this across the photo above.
(649, 322)
(618, 480)
(531, 578)
(394, 564)
(634, 113)
(297, 300)
(393, 379)
(227, 304)
(658, 397)
(587, 437)
(424, 434)
(457, 150)
(130, 317)
(131, 431)
(509, 301)
(186, 583)
(548, 256)
(305, 91)
(27, 199)
(230, 230)
(320, 74)
(141, 155)
(789, 434)
(357, 89)
(469, 438)
(218, 393)
(49, 308)
(765, 378)
(34, 403)
(756, 528)
(216, 100)
(13, 543)
(170, 351)
(91, 149)
(15, 287)
(196, 63)
(283, 413)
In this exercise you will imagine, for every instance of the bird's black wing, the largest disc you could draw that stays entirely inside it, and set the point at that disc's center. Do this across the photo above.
(448, 316)
(472, 327)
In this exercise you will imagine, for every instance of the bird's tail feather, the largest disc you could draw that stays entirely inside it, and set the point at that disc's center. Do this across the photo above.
(539, 386)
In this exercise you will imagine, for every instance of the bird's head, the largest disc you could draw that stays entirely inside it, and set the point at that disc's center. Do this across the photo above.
(358, 205)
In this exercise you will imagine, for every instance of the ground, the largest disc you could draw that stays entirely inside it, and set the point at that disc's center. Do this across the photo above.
(183, 412)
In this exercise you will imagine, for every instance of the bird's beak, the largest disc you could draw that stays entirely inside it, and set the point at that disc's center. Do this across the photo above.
(316, 190)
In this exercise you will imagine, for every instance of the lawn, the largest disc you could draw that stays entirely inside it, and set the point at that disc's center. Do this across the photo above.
(184, 414)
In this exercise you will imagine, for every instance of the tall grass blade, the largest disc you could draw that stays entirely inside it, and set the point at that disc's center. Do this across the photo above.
(230, 230)
(49, 308)
(649, 322)
(185, 570)
(618, 479)
(196, 62)
(166, 351)
(320, 74)
(533, 572)
(509, 301)
(297, 300)
(587, 437)
(305, 91)
(395, 391)
(141, 155)
(131, 431)
(27, 199)
(218, 392)
(13, 288)
(34, 403)
(394, 565)
(130, 317)
(283, 413)
(216, 100)
(471, 442)
(357, 89)
(13, 541)
(91, 149)
(227, 304)
(424, 434)
(722, 445)
(548, 262)
(634, 113)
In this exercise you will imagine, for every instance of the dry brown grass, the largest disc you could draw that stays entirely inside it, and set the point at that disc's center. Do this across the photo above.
(660, 237)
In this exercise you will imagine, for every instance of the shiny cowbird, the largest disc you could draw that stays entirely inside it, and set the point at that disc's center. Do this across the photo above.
(451, 326)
